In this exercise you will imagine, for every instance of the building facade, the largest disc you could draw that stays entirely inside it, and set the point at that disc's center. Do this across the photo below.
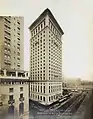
(45, 59)
(11, 42)
(14, 82)
(14, 96)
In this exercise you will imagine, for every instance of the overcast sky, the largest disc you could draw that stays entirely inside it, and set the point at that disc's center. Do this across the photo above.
(75, 18)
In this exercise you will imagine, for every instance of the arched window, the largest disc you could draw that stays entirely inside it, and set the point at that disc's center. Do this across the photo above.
(11, 110)
(21, 108)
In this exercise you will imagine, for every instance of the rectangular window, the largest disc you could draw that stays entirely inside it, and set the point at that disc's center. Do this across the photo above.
(43, 98)
(34, 32)
(21, 88)
(41, 26)
(38, 28)
(21, 95)
(18, 22)
(10, 90)
(41, 86)
(38, 88)
(44, 89)
(10, 97)
(49, 91)
(49, 98)
(40, 97)
(44, 22)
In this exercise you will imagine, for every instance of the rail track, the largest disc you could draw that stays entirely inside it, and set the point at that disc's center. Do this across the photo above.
(67, 103)
(74, 106)
(65, 107)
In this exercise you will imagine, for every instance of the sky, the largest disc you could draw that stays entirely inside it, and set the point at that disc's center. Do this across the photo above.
(75, 18)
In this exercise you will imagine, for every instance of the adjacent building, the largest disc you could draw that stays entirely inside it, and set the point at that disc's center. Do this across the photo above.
(45, 59)
(11, 42)
(14, 82)
(14, 96)
(72, 83)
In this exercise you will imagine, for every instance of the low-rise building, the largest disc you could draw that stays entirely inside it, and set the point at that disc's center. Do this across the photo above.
(14, 92)
(72, 84)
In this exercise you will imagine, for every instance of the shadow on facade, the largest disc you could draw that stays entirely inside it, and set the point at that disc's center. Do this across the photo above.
(21, 108)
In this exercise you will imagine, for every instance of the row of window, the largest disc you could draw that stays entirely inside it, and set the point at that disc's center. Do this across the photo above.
(34, 74)
(11, 97)
(38, 60)
(54, 88)
(6, 63)
(18, 21)
(11, 90)
(55, 45)
(42, 35)
(41, 47)
(7, 56)
(7, 44)
(18, 65)
(38, 28)
(52, 68)
(42, 25)
(7, 50)
(52, 77)
(42, 98)
(7, 20)
(53, 36)
(41, 42)
(13, 82)
(36, 69)
(54, 49)
(37, 78)
(39, 50)
(41, 88)
(42, 83)
(38, 88)
(7, 39)
(17, 58)
(7, 33)
(54, 65)
(39, 83)
(52, 60)
(38, 97)
(53, 29)
(43, 78)
(53, 54)
(53, 57)
(54, 97)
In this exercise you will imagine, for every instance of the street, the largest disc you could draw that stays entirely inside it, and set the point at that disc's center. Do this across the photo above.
(67, 107)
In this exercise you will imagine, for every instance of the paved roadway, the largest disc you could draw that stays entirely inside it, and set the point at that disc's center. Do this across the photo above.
(89, 109)
(64, 110)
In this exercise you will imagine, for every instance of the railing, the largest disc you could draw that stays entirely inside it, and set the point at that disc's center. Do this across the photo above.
(11, 101)
(21, 99)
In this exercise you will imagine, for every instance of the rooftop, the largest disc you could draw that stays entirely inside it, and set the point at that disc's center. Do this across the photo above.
(46, 11)
(13, 74)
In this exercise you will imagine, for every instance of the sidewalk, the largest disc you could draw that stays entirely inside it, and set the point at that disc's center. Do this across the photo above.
(89, 109)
